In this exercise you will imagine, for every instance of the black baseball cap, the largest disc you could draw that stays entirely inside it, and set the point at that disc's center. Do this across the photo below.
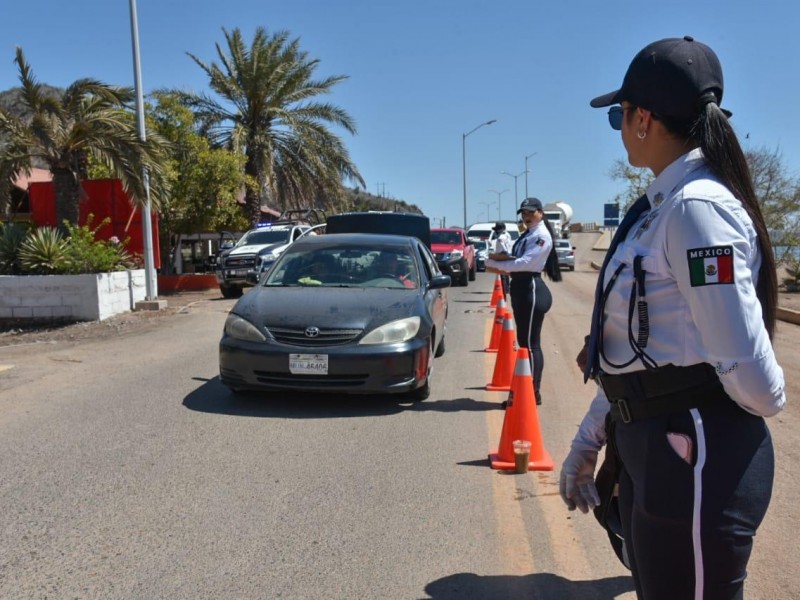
(499, 226)
(530, 204)
(673, 77)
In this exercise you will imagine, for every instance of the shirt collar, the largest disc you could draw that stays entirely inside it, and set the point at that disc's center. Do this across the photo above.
(663, 185)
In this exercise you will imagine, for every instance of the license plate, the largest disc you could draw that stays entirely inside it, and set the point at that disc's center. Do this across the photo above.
(308, 364)
(237, 273)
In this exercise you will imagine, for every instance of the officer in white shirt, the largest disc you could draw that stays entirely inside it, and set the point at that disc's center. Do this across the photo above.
(502, 245)
(532, 254)
(681, 342)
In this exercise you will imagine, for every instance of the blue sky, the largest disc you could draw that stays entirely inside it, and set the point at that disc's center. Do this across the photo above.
(422, 74)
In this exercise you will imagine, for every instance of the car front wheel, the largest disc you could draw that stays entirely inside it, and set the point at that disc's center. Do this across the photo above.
(231, 291)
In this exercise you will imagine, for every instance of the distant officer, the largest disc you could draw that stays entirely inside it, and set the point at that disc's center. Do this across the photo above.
(531, 255)
(502, 245)
(681, 339)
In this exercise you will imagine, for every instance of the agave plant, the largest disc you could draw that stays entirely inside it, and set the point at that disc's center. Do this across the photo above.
(11, 238)
(43, 251)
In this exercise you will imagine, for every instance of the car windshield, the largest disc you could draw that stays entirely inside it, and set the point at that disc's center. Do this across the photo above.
(351, 266)
(480, 244)
(264, 236)
(445, 237)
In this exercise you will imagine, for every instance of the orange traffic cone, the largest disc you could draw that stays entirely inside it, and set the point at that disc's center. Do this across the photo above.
(521, 422)
(504, 365)
(497, 293)
(497, 328)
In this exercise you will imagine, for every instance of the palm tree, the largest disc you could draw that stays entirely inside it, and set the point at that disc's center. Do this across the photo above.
(63, 131)
(270, 113)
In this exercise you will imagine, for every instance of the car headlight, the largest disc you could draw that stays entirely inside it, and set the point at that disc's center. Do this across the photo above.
(268, 258)
(242, 329)
(394, 332)
(456, 254)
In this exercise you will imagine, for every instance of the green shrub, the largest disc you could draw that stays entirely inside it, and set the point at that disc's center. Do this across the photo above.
(11, 238)
(86, 254)
(43, 252)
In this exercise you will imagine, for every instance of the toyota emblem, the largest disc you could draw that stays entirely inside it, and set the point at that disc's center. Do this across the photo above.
(312, 332)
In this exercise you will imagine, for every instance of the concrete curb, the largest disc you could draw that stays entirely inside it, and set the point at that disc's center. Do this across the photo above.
(788, 315)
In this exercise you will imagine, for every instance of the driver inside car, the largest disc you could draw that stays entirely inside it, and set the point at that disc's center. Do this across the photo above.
(388, 264)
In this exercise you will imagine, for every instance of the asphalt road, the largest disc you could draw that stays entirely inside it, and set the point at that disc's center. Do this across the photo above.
(128, 471)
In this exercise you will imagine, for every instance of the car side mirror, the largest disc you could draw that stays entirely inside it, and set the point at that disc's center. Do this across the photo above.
(439, 281)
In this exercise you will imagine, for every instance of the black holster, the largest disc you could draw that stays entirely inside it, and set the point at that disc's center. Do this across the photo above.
(607, 482)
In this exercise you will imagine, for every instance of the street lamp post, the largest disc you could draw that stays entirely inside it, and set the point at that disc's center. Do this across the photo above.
(151, 283)
(464, 162)
(526, 172)
(516, 199)
(487, 205)
(499, 212)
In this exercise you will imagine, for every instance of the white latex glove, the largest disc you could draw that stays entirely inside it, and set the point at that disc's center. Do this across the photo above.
(576, 484)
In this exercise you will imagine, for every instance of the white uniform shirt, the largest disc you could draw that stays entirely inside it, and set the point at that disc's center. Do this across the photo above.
(532, 249)
(503, 243)
(701, 259)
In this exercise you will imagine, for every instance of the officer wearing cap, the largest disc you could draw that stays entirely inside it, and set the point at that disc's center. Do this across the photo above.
(680, 343)
(502, 245)
(532, 254)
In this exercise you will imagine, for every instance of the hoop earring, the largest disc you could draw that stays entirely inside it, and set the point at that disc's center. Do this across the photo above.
(641, 135)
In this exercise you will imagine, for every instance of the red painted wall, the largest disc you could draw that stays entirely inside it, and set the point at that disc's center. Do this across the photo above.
(102, 198)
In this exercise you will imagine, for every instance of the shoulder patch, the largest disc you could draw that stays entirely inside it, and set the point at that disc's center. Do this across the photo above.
(540, 241)
(709, 266)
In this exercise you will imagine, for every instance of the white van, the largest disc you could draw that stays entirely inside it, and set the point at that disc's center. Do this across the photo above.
(485, 231)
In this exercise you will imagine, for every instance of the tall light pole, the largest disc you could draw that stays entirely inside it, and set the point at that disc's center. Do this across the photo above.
(516, 199)
(464, 162)
(526, 172)
(151, 284)
(499, 213)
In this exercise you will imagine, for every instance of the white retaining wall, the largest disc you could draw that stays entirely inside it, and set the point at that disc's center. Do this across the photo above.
(89, 297)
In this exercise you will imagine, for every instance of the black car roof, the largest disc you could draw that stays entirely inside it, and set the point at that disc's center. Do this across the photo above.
(376, 240)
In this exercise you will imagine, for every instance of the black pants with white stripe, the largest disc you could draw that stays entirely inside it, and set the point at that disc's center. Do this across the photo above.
(689, 527)
(530, 300)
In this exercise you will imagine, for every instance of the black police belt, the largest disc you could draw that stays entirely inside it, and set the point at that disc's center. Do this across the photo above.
(524, 276)
(661, 391)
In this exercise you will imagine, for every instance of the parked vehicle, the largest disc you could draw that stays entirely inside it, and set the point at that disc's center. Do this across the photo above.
(331, 317)
(395, 223)
(259, 248)
(566, 254)
(485, 231)
(255, 252)
(481, 253)
(454, 254)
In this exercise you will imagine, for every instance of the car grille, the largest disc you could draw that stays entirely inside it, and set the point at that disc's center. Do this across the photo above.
(326, 337)
(442, 255)
(243, 260)
(310, 381)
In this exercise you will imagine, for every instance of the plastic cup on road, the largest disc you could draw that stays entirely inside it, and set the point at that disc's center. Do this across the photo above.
(522, 452)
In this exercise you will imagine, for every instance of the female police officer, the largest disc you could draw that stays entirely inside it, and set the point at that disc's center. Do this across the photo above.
(532, 254)
(680, 343)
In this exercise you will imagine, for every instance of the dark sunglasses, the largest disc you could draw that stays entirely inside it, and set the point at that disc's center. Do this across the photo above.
(615, 114)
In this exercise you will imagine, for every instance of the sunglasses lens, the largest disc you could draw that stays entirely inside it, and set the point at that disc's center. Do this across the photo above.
(615, 117)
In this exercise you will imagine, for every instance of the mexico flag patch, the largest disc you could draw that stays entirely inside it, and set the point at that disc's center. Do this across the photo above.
(708, 266)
